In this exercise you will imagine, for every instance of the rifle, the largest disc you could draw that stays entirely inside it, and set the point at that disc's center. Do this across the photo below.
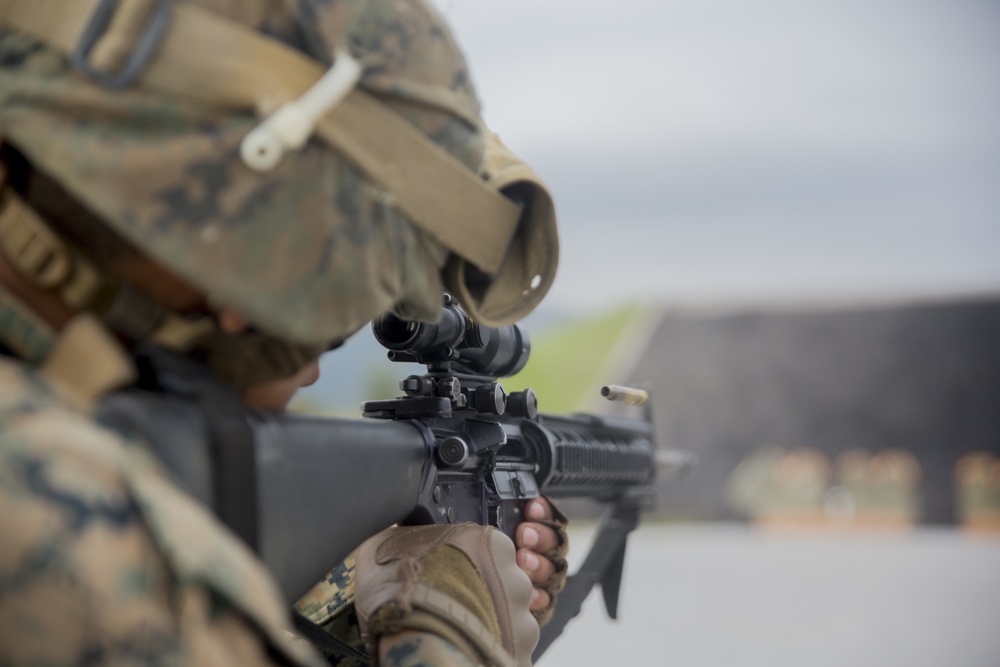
(304, 491)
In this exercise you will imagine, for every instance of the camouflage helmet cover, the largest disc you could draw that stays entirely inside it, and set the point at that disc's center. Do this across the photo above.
(309, 251)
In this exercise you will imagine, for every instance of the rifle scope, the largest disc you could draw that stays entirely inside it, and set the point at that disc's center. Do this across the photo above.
(469, 347)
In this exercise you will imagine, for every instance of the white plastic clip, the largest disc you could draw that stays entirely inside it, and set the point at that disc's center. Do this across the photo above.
(290, 126)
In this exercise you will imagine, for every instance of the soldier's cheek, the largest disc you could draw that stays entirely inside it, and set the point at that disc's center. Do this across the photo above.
(277, 394)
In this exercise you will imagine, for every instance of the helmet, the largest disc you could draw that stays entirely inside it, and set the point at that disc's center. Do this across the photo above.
(142, 110)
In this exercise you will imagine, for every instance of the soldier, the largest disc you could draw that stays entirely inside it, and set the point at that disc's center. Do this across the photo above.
(190, 175)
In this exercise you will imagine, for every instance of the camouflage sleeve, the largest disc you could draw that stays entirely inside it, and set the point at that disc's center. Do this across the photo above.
(83, 580)
(330, 604)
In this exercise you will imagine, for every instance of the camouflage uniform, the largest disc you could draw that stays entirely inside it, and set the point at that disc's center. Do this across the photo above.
(330, 605)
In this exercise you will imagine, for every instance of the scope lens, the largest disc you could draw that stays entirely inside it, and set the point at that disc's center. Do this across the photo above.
(394, 333)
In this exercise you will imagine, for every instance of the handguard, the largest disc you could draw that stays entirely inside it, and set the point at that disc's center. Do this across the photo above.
(460, 582)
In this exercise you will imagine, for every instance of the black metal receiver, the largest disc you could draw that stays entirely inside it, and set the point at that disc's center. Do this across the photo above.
(494, 450)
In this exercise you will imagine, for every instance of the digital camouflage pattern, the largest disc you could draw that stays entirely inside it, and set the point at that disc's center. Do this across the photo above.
(330, 605)
(330, 597)
(105, 561)
(308, 252)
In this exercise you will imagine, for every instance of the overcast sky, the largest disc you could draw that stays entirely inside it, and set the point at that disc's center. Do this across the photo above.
(732, 150)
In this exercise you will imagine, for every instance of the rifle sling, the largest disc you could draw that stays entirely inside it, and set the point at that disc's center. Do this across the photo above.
(324, 641)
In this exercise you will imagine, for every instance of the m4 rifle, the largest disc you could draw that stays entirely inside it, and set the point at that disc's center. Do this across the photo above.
(304, 491)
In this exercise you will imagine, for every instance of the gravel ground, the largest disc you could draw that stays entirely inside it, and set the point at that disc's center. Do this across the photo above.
(725, 594)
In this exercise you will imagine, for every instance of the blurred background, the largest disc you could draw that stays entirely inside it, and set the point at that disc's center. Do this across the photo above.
(785, 217)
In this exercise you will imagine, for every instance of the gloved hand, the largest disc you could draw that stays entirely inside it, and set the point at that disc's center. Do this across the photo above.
(542, 546)
(459, 582)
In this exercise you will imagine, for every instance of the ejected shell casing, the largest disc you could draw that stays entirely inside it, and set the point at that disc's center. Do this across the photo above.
(614, 392)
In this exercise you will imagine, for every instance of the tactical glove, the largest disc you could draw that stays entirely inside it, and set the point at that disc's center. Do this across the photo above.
(459, 582)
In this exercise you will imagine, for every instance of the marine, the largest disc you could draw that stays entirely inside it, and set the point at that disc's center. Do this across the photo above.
(245, 184)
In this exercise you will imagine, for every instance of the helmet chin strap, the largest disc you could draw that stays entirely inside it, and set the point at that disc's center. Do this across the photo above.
(44, 259)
